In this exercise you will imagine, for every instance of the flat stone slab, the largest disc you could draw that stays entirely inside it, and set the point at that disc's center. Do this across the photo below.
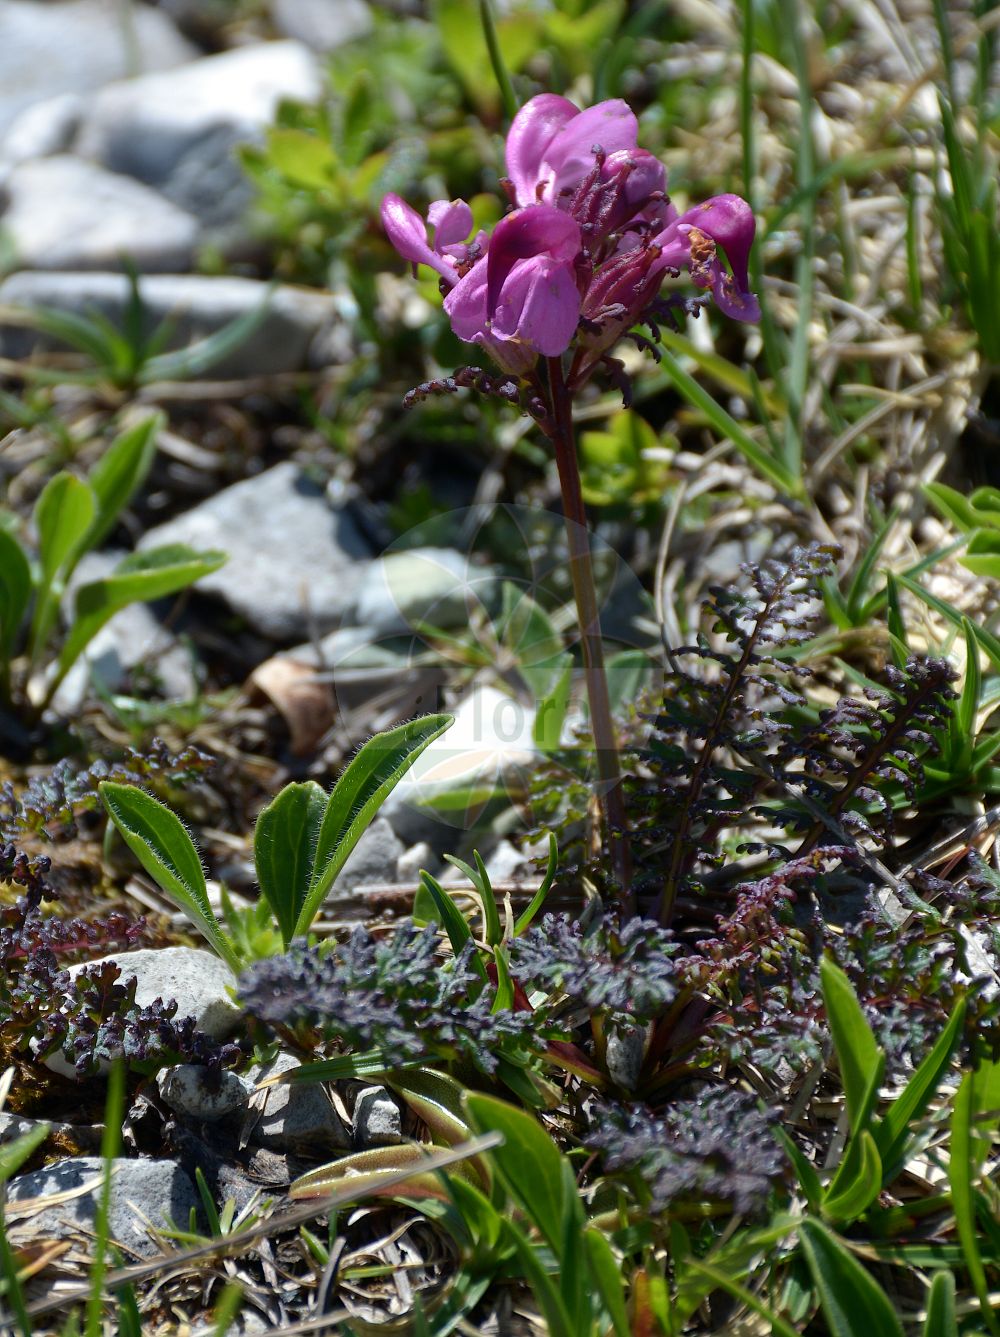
(282, 589)
(158, 1190)
(289, 336)
(64, 213)
(76, 46)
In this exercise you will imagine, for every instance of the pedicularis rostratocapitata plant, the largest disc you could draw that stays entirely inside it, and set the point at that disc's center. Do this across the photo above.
(577, 263)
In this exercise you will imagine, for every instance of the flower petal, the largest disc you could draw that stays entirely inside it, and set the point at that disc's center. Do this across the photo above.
(530, 135)
(539, 306)
(408, 233)
(539, 230)
(569, 157)
(729, 220)
(451, 221)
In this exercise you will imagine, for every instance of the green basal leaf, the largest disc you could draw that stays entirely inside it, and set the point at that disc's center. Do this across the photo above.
(64, 514)
(284, 844)
(120, 472)
(550, 710)
(860, 1059)
(524, 920)
(15, 592)
(941, 1320)
(451, 919)
(530, 1165)
(158, 839)
(982, 555)
(607, 1280)
(139, 578)
(962, 1170)
(303, 158)
(365, 784)
(953, 505)
(857, 1182)
(892, 1132)
(852, 1301)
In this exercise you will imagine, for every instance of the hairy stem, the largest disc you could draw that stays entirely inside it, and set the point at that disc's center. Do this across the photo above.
(582, 573)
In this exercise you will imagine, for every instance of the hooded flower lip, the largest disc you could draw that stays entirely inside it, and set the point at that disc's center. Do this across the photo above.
(693, 238)
(526, 289)
(551, 144)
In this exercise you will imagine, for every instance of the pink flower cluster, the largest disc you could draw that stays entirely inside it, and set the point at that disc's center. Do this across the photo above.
(585, 250)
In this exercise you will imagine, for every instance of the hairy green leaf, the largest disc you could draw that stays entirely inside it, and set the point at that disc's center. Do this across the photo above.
(158, 839)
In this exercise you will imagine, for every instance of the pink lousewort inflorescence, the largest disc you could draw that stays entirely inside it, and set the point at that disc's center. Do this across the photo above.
(583, 254)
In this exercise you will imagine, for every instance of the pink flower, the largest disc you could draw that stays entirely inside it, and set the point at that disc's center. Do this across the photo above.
(593, 235)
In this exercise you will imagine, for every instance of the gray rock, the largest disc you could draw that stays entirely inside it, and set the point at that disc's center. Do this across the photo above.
(425, 585)
(322, 24)
(158, 1190)
(296, 1117)
(376, 1120)
(179, 130)
(63, 213)
(43, 129)
(506, 863)
(624, 1055)
(292, 321)
(13, 1126)
(132, 637)
(185, 1090)
(489, 749)
(282, 589)
(75, 46)
(374, 859)
(418, 856)
(199, 981)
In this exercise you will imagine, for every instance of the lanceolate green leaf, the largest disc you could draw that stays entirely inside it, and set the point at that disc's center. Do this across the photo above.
(157, 838)
(63, 514)
(284, 844)
(892, 1131)
(529, 1163)
(120, 472)
(607, 1277)
(858, 1054)
(368, 780)
(137, 579)
(15, 591)
(857, 1182)
(941, 1321)
(962, 1166)
(853, 1303)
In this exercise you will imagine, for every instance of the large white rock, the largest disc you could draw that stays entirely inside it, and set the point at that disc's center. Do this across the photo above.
(64, 213)
(292, 321)
(179, 130)
(159, 1191)
(42, 129)
(280, 587)
(75, 46)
